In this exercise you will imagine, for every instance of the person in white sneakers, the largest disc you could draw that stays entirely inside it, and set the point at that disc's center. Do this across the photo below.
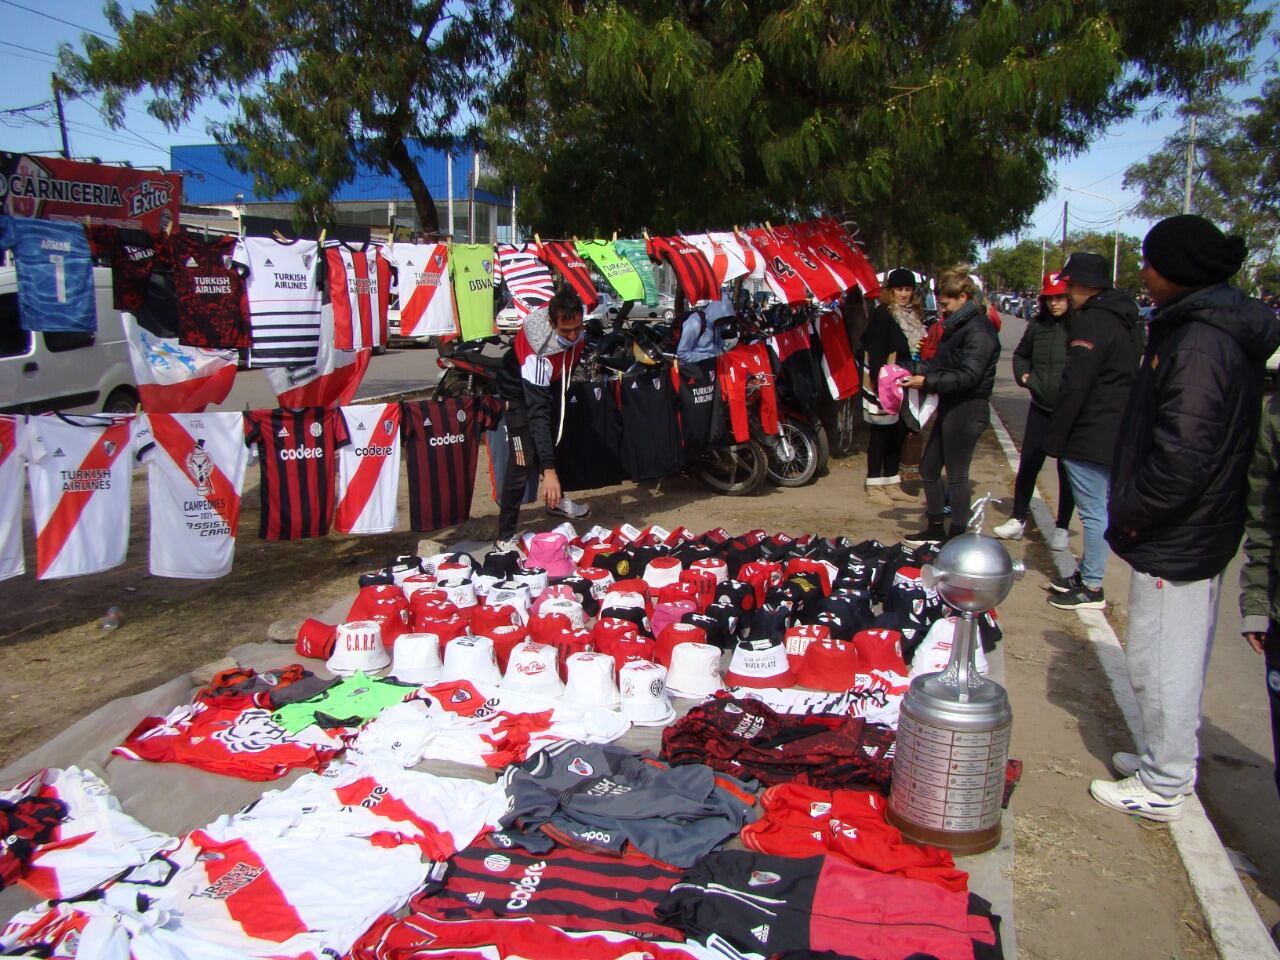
(532, 381)
(1038, 363)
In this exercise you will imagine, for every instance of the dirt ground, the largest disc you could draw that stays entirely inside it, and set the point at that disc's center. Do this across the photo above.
(1082, 876)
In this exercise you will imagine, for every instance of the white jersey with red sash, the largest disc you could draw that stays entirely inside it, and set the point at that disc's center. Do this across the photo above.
(11, 460)
(79, 469)
(423, 288)
(359, 287)
(369, 469)
(195, 474)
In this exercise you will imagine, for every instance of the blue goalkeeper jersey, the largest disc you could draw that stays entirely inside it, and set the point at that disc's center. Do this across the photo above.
(55, 274)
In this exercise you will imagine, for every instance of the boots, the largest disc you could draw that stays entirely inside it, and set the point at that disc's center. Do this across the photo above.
(875, 494)
(935, 532)
(896, 493)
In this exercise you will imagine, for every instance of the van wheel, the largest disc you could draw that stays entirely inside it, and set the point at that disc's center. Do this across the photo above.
(121, 400)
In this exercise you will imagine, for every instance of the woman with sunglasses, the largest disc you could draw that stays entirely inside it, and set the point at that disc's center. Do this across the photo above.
(1038, 363)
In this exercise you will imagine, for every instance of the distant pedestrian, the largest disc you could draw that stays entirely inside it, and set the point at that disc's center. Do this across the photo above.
(1039, 361)
(1103, 349)
(1178, 495)
(961, 373)
(893, 335)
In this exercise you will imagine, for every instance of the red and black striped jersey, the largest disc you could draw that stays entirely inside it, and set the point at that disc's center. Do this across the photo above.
(297, 453)
(693, 270)
(359, 291)
(570, 888)
(441, 441)
(563, 256)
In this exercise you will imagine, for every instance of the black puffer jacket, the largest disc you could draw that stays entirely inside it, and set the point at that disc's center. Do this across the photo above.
(1041, 356)
(1179, 481)
(1103, 350)
(964, 368)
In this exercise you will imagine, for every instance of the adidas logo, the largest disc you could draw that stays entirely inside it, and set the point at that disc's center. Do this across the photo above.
(191, 262)
(282, 432)
(359, 426)
(635, 384)
(426, 421)
(761, 932)
(476, 897)
(269, 263)
(59, 453)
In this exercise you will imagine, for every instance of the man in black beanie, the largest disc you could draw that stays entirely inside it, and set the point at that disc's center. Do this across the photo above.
(1178, 484)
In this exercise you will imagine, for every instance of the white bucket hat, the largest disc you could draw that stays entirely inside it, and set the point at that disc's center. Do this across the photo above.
(535, 581)
(661, 571)
(416, 658)
(432, 564)
(566, 608)
(643, 690)
(695, 671)
(510, 595)
(358, 648)
(600, 579)
(760, 663)
(622, 598)
(534, 668)
(418, 581)
(460, 592)
(714, 566)
(591, 681)
(471, 658)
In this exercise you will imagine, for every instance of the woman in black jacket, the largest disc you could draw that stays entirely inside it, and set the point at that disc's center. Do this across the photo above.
(961, 373)
(893, 335)
(1038, 363)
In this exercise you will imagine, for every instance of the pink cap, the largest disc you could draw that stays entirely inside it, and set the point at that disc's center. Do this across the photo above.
(550, 551)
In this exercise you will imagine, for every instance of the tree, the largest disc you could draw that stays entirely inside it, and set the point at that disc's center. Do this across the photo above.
(1016, 268)
(316, 87)
(1236, 182)
(1094, 241)
(931, 124)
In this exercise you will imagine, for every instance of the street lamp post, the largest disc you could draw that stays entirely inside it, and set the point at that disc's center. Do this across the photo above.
(1115, 257)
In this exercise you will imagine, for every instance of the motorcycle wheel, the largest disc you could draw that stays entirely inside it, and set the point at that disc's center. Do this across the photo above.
(793, 455)
(734, 471)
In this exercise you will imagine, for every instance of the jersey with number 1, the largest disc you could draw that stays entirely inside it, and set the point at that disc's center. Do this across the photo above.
(55, 274)
(369, 469)
(79, 469)
(195, 473)
(11, 460)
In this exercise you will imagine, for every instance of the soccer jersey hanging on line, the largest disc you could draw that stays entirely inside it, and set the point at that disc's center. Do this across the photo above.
(563, 257)
(423, 289)
(442, 438)
(696, 277)
(79, 469)
(297, 456)
(55, 274)
(11, 460)
(210, 291)
(527, 278)
(472, 267)
(284, 300)
(359, 287)
(195, 473)
(369, 469)
(614, 267)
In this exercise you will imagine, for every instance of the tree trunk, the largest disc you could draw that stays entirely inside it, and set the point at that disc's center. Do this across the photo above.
(399, 158)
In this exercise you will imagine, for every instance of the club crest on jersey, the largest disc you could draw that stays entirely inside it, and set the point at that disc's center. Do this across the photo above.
(488, 265)
(460, 696)
(252, 732)
(388, 426)
(819, 809)
(805, 260)
(462, 416)
(581, 767)
(200, 468)
(496, 862)
(109, 446)
(762, 878)
(316, 430)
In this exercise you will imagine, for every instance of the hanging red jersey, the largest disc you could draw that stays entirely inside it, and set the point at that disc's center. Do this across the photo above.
(780, 273)
(693, 272)
(834, 236)
(359, 288)
(132, 256)
(820, 281)
(442, 439)
(734, 369)
(369, 469)
(213, 309)
(837, 263)
(563, 256)
(838, 365)
(297, 457)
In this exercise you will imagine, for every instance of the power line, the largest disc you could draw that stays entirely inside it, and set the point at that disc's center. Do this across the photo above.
(18, 46)
(49, 16)
(34, 106)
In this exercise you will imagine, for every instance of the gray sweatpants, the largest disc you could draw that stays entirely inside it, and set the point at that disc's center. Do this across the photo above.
(1171, 626)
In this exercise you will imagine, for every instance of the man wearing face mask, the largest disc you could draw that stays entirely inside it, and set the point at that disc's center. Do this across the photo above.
(533, 382)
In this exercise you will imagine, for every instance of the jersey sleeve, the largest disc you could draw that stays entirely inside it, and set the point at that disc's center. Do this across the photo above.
(252, 429)
(341, 435)
(489, 413)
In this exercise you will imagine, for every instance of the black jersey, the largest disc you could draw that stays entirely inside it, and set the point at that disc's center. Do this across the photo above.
(297, 452)
(587, 455)
(702, 416)
(441, 441)
(651, 442)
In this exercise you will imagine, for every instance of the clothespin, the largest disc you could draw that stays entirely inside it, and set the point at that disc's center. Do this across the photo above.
(645, 231)
(537, 239)
(615, 236)
(768, 226)
(323, 231)
(279, 236)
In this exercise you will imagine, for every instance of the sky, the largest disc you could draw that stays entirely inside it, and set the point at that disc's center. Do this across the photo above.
(36, 27)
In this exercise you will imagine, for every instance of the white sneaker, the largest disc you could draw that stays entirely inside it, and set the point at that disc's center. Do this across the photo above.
(1126, 764)
(1011, 529)
(1058, 540)
(567, 508)
(1130, 795)
(507, 546)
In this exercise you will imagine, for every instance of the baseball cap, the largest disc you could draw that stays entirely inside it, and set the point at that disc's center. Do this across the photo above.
(760, 663)
(1053, 285)
(358, 649)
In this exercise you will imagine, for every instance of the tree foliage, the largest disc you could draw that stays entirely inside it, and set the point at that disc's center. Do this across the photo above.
(929, 123)
(1236, 182)
(315, 88)
(1021, 267)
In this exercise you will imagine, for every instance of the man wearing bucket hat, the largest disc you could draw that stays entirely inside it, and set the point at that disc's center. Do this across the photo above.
(1178, 483)
(1103, 347)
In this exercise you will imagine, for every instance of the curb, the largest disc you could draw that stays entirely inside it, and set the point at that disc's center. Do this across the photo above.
(1237, 931)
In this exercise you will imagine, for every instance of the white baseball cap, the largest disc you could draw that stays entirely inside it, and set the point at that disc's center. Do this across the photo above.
(534, 668)
(643, 689)
(695, 671)
(591, 681)
(358, 648)
(471, 658)
(417, 658)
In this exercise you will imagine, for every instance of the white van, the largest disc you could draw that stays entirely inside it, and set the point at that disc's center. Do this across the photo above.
(74, 372)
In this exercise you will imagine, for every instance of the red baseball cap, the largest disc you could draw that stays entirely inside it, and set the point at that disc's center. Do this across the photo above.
(316, 639)
(1053, 285)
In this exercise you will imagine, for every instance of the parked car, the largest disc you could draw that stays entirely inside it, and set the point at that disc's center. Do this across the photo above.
(394, 337)
(74, 372)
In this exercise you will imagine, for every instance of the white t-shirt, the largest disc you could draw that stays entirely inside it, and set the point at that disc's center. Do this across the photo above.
(369, 469)
(726, 260)
(11, 460)
(195, 475)
(284, 300)
(422, 284)
(79, 469)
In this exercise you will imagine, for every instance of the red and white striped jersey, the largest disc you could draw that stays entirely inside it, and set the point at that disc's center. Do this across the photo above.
(527, 278)
(359, 287)
(79, 469)
(742, 248)
(727, 260)
(423, 289)
(195, 474)
(11, 460)
(369, 469)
